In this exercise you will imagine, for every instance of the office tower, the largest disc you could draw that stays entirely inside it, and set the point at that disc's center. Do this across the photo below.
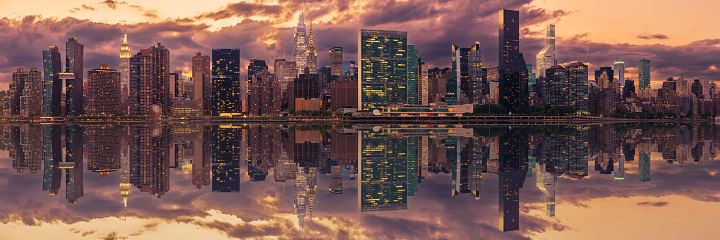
(202, 77)
(697, 89)
(629, 89)
(226, 158)
(16, 90)
(546, 57)
(531, 77)
(412, 88)
(264, 95)
(311, 53)
(301, 54)
(475, 72)
(176, 80)
(103, 91)
(513, 161)
(383, 74)
(382, 183)
(160, 68)
(141, 86)
(324, 77)
(643, 73)
(285, 72)
(577, 93)
(304, 93)
(256, 66)
(513, 87)
(603, 77)
(124, 70)
(458, 84)
(51, 83)
(556, 86)
(31, 98)
(74, 88)
(344, 94)
(336, 59)
(226, 90)
(423, 84)
(103, 148)
(619, 68)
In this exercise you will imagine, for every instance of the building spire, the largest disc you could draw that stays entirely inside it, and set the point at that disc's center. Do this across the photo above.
(125, 33)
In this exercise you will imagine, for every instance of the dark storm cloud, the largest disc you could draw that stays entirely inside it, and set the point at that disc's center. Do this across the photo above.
(113, 4)
(653, 36)
(652, 204)
(243, 9)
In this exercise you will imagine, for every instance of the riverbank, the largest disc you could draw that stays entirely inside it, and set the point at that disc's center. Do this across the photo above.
(350, 120)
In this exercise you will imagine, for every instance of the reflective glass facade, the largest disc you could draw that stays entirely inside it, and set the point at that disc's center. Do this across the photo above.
(383, 70)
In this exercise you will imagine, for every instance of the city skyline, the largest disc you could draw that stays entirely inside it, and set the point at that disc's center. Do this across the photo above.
(262, 31)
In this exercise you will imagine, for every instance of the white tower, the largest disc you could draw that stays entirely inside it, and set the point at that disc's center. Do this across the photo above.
(546, 57)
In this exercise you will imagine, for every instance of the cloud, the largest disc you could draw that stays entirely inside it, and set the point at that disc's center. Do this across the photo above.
(243, 9)
(112, 3)
(653, 36)
(653, 204)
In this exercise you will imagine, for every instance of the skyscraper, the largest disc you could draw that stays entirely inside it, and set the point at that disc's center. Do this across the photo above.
(74, 88)
(103, 91)
(475, 71)
(124, 70)
(301, 54)
(606, 80)
(643, 73)
(161, 77)
(264, 95)
(51, 83)
(226, 91)
(31, 99)
(412, 87)
(619, 67)
(513, 85)
(285, 72)
(383, 74)
(16, 90)
(336, 58)
(203, 81)
(311, 53)
(546, 57)
(458, 84)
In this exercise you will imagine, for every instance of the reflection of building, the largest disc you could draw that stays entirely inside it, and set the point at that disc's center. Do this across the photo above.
(226, 158)
(264, 147)
(150, 158)
(52, 154)
(546, 183)
(73, 164)
(513, 170)
(383, 172)
(103, 91)
(226, 87)
(103, 149)
(644, 167)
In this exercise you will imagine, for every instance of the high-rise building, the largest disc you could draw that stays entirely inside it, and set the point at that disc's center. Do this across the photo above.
(285, 72)
(264, 95)
(412, 76)
(619, 67)
(103, 91)
(475, 71)
(226, 91)
(531, 77)
(161, 78)
(301, 54)
(311, 53)
(567, 86)
(643, 73)
(344, 94)
(31, 99)
(124, 70)
(458, 84)
(336, 59)
(606, 80)
(423, 84)
(103, 147)
(74, 88)
(546, 57)
(513, 86)
(304, 93)
(141, 76)
(383, 74)
(16, 90)
(51, 83)
(203, 81)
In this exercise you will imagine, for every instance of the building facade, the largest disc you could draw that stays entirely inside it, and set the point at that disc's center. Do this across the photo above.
(513, 86)
(103, 91)
(383, 74)
(226, 89)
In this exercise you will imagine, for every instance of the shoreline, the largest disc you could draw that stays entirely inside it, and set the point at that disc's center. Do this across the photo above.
(465, 120)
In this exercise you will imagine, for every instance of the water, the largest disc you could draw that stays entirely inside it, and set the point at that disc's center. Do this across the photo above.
(633, 181)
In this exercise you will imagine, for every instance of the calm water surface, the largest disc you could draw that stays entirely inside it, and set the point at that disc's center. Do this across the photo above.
(630, 181)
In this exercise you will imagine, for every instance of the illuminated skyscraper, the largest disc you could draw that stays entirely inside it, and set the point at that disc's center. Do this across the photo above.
(124, 70)
(475, 71)
(226, 91)
(546, 57)
(513, 86)
(311, 53)
(336, 59)
(285, 72)
(103, 91)
(203, 81)
(301, 54)
(619, 68)
(226, 158)
(412, 81)
(161, 77)
(140, 97)
(383, 68)
(74, 88)
(456, 84)
(51, 84)
(643, 73)
(604, 77)
(16, 90)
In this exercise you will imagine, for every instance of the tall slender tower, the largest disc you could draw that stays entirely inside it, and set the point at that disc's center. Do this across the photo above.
(51, 83)
(311, 53)
(301, 54)
(546, 57)
(203, 84)
(644, 73)
(124, 70)
(620, 72)
(74, 87)
(513, 84)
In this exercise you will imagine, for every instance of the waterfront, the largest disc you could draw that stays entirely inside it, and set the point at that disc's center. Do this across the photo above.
(358, 181)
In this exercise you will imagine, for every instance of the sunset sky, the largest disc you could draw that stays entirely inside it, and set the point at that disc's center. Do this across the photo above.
(678, 38)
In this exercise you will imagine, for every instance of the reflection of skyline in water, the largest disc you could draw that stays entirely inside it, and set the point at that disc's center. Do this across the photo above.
(394, 160)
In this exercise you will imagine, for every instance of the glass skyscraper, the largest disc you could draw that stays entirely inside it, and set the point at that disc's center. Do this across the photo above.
(412, 86)
(513, 86)
(644, 73)
(383, 62)
(226, 82)
(51, 84)
(74, 87)
(459, 83)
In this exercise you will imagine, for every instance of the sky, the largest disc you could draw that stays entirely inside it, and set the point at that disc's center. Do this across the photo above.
(677, 38)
